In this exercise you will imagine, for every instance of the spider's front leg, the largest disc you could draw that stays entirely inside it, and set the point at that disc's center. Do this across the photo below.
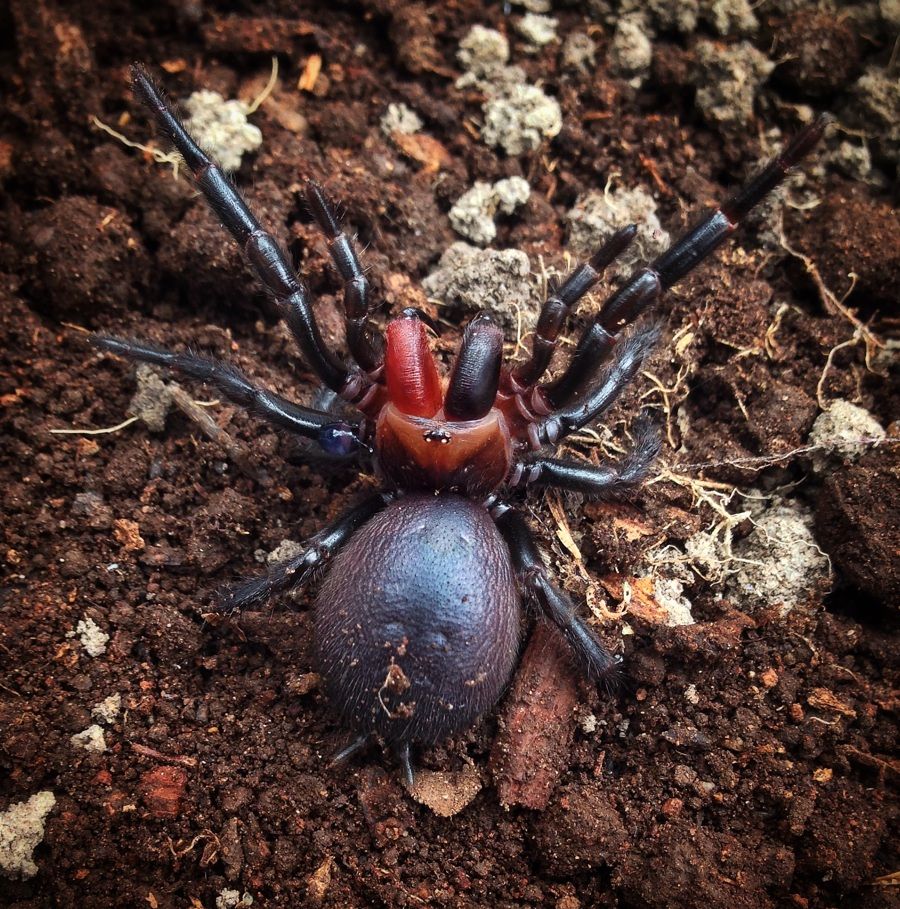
(598, 342)
(334, 437)
(366, 345)
(559, 304)
(260, 248)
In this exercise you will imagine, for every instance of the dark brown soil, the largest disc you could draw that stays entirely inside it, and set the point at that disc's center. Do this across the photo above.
(768, 784)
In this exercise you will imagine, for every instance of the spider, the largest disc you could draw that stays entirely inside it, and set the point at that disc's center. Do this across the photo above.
(419, 620)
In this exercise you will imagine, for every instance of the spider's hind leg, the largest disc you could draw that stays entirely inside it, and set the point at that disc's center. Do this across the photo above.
(592, 656)
(302, 568)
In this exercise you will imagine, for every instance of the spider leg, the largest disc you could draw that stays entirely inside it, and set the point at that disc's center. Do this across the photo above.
(347, 752)
(605, 481)
(559, 304)
(260, 248)
(642, 290)
(592, 656)
(403, 753)
(299, 570)
(334, 437)
(366, 346)
(595, 398)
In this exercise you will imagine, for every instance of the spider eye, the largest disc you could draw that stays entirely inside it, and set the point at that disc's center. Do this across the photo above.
(339, 439)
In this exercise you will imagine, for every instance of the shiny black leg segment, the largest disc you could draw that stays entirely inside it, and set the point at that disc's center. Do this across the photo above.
(366, 347)
(592, 657)
(260, 248)
(335, 437)
(643, 289)
(476, 372)
(344, 754)
(403, 753)
(296, 572)
(559, 304)
(596, 398)
(605, 481)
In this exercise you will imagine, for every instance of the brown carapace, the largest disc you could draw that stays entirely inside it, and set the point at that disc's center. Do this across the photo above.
(419, 621)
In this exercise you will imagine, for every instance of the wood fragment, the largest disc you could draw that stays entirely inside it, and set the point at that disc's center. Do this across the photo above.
(537, 725)
(310, 74)
(235, 449)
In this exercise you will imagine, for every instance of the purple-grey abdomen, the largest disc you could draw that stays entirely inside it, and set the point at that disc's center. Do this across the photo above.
(418, 620)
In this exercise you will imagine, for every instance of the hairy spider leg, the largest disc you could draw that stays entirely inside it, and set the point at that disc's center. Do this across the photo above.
(593, 658)
(260, 248)
(344, 754)
(475, 377)
(596, 398)
(603, 481)
(365, 345)
(334, 437)
(644, 287)
(299, 570)
(559, 304)
(403, 753)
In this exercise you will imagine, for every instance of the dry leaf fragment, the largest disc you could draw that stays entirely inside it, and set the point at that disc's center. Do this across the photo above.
(446, 793)
(310, 73)
(823, 699)
(423, 149)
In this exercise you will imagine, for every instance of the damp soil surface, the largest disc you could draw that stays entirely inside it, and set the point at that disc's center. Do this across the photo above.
(748, 759)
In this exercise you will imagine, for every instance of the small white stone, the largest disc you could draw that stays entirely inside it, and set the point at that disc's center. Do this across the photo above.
(483, 50)
(596, 216)
(473, 279)
(843, 429)
(728, 77)
(221, 127)
(398, 118)
(669, 593)
(21, 831)
(286, 549)
(537, 30)
(579, 52)
(472, 215)
(630, 51)
(520, 118)
(781, 563)
(730, 17)
(108, 709)
(92, 638)
(690, 694)
(511, 193)
(233, 899)
(91, 739)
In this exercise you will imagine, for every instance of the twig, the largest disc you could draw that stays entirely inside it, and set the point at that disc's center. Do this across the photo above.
(235, 450)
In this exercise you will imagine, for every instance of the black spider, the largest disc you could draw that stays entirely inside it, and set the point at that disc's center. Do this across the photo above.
(419, 620)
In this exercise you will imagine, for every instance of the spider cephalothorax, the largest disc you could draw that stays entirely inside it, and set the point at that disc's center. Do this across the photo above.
(419, 620)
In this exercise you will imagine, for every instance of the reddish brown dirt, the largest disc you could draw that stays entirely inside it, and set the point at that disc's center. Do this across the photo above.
(771, 787)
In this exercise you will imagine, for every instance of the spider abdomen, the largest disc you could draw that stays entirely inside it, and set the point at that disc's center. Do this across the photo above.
(419, 619)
